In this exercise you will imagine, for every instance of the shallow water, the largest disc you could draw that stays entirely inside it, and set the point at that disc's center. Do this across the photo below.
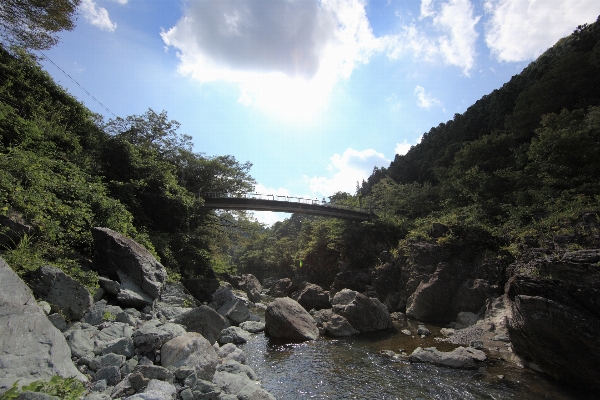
(351, 368)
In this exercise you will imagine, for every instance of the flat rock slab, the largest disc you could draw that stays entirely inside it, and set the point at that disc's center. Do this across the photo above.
(461, 357)
(31, 348)
(286, 318)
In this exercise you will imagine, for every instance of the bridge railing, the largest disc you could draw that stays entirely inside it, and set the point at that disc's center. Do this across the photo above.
(275, 197)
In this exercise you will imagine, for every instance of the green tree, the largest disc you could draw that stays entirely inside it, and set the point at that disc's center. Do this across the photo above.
(34, 24)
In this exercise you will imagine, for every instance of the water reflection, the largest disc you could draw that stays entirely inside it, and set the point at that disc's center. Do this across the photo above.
(351, 368)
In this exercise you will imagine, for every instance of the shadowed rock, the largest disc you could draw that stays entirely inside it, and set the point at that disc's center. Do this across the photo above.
(286, 318)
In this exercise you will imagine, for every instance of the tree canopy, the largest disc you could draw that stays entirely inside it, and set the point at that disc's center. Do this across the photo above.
(34, 24)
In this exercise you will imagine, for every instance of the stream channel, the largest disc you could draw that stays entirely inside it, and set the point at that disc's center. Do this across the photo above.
(352, 368)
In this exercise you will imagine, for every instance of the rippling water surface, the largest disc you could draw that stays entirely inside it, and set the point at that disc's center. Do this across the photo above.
(351, 368)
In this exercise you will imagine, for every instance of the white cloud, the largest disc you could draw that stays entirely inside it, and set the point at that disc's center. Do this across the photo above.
(521, 30)
(122, 2)
(455, 42)
(403, 148)
(349, 168)
(286, 56)
(96, 15)
(425, 100)
(458, 44)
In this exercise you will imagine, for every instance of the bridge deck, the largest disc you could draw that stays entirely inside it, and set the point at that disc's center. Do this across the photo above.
(236, 203)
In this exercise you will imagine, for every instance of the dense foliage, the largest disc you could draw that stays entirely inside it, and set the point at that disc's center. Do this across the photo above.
(64, 170)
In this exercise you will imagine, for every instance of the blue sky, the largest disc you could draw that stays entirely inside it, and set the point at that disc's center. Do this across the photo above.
(313, 93)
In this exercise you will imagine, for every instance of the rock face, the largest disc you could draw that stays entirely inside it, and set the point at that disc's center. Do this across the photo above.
(64, 293)
(431, 300)
(286, 318)
(554, 327)
(365, 314)
(313, 296)
(114, 252)
(205, 321)
(352, 280)
(31, 348)
(251, 285)
(283, 287)
(191, 350)
(471, 296)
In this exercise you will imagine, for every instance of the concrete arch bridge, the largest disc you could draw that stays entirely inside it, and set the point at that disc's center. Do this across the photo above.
(270, 202)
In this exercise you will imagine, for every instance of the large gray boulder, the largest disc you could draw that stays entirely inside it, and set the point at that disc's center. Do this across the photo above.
(64, 293)
(286, 318)
(365, 314)
(461, 357)
(313, 296)
(251, 285)
(114, 252)
(31, 348)
(205, 321)
(191, 350)
(151, 336)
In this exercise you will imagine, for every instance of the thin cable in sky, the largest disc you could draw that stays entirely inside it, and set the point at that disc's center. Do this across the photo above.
(77, 83)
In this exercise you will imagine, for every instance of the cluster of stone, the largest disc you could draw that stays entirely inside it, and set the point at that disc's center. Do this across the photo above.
(139, 340)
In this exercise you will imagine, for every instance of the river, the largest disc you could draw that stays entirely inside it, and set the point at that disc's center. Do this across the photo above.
(352, 368)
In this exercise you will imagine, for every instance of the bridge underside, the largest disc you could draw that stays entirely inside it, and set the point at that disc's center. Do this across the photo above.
(234, 203)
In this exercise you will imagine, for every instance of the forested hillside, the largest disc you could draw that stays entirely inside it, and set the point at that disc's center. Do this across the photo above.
(517, 167)
(64, 170)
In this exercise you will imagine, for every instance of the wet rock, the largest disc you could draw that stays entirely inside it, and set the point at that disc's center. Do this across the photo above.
(205, 321)
(423, 331)
(338, 326)
(286, 318)
(461, 357)
(31, 348)
(190, 350)
(66, 295)
(365, 314)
